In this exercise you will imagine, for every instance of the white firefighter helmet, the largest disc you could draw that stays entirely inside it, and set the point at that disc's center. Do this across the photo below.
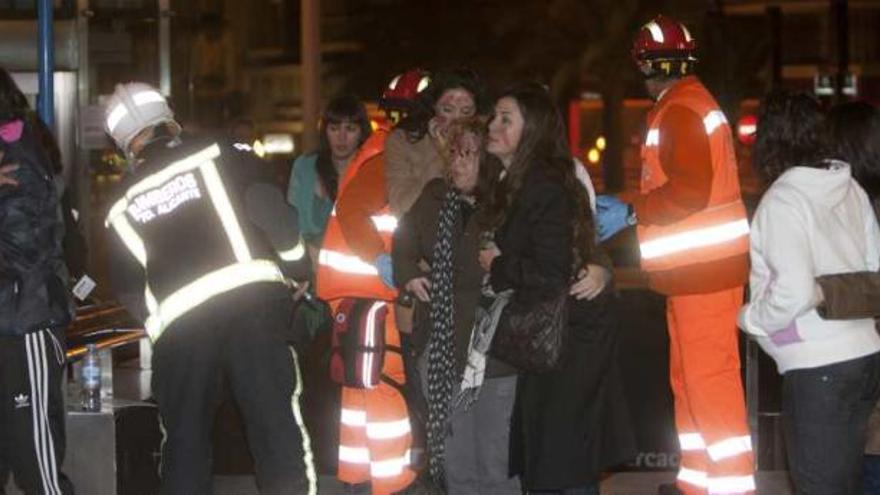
(132, 108)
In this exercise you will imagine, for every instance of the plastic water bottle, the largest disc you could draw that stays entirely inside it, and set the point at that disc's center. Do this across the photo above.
(91, 379)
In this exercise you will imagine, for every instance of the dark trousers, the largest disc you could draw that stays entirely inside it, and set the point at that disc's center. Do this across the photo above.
(825, 417)
(32, 413)
(239, 336)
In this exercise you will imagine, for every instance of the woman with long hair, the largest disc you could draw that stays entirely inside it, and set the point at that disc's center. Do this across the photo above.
(814, 220)
(565, 419)
(413, 150)
(467, 440)
(315, 176)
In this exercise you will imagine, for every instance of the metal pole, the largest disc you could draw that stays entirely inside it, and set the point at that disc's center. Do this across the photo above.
(46, 63)
(81, 180)
(775, 15)
(164, 47)
(311, 71)
(841, 17)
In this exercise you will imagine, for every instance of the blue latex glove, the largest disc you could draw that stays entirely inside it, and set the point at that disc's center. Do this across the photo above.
(386, 269)
(611, 216)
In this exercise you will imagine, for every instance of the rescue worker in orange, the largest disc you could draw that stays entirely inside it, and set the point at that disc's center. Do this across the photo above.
(694, 240)
(355, 262)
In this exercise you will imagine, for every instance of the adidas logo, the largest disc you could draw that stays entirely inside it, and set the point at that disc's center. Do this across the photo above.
(21, 400)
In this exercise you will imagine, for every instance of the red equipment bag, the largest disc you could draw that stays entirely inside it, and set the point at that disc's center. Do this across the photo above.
(358, 342)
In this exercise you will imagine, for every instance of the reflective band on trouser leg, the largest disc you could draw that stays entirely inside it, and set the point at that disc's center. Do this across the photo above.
(731, 485)
(308, 457)
(389, 439)
(730, 447)
(731, 468)
(691, 441)
(206, 287)
(694, 461)
(689, 479)
(703, 331)
(354, 456)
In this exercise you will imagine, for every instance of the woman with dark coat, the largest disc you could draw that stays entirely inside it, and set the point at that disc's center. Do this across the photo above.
(470, 454)
(572, 422)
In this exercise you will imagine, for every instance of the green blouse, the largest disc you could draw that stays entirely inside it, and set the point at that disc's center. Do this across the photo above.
(312, 209)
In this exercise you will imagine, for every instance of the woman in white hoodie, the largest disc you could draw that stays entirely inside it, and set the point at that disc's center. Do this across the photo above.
(813, 220)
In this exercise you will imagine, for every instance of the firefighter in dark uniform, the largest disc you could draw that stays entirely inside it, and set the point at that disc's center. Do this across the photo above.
(204, 250)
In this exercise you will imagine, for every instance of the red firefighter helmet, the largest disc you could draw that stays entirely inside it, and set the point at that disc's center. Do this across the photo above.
(664, 46)
(403, 90)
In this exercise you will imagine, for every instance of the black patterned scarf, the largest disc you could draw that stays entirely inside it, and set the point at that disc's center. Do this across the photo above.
(441, 344)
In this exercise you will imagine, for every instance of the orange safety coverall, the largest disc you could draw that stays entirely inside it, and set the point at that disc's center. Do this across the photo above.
(694, 240)
(375, 436)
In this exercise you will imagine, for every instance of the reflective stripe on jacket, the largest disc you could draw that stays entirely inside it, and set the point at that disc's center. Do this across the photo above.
(341, 273)
(718, 231)
(171, 204)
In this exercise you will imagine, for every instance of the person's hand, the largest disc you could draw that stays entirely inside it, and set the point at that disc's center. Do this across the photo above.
(488, 255)
(592, 280)
(421, 287)
(385, 268)
(818, 296)
(611, 216)
(6, 171)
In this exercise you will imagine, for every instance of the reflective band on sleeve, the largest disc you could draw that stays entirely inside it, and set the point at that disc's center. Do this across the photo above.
(730, 447)
(388, 429)
(729, 485)
(354, 417)
(653, 138)
(656, 32)
(145, 97)
(208, 286)
(693, 477)
(390, 467)
(691, 441)
(714, 120)
(115, 116)
(385, 223)
(225, 211)
(294, 254)
(693, 239)
(345, 263)
(130, 238)
(354, 455)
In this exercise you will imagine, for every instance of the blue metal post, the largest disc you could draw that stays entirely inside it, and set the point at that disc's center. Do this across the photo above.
(46, 63)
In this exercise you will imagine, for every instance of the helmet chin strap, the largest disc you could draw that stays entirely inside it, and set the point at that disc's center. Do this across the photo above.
(173, 136)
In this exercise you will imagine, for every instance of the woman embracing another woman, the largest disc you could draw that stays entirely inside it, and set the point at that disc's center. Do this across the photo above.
(571, 422)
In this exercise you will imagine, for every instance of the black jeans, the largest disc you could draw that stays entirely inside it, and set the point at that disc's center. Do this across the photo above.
(825, 416)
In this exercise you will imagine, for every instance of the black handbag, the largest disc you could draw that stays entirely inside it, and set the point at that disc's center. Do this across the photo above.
(532, 336)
